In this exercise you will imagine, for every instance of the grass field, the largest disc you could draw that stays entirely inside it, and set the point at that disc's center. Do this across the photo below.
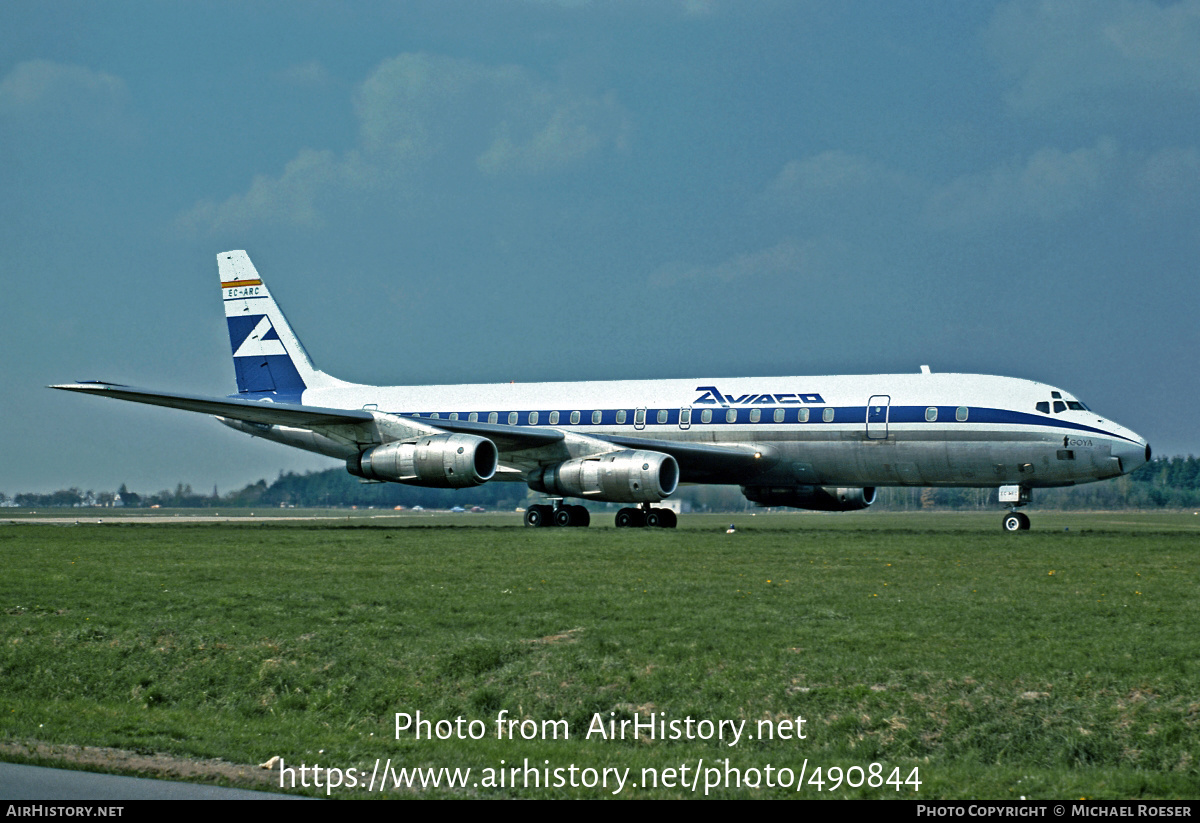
(1061, 662)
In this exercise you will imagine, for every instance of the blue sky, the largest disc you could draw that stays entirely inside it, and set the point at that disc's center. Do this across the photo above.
(442, 192)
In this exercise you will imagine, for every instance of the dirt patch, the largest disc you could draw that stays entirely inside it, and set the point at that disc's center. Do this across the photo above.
(565, 637)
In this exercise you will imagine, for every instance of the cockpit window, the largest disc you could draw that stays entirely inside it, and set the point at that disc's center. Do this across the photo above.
(1059, 406)
(1075, 405)
(1044, 407)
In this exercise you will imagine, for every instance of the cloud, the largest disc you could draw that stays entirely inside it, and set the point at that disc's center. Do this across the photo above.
(1070, 52)
(305, 75)
(289, 199)
(837, 194)
(839, 180)
(1048, 185)
(1170, 170)
(784, 259)
(699, 8)
(41, 94)
(571, 131)
(421, 114)
(1167, 183)
(831, 172)
(691, 8)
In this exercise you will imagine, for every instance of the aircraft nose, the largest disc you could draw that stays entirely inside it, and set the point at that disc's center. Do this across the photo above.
(1133, 454)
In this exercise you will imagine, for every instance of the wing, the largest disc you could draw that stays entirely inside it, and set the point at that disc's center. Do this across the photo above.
(506, 438)
(252, 411)
(698, 462)
(707, 462)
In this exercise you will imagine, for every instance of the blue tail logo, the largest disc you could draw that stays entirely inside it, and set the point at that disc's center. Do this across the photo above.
(260, 359)
(260, 342)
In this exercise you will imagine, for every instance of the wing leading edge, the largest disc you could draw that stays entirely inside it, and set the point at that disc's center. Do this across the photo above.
(251, 411)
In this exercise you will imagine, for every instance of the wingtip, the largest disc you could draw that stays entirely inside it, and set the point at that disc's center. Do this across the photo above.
(86, 385)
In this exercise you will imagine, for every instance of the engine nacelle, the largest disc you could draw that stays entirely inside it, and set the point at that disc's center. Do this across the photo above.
(816, 498)
(442, 461)
(616, 477)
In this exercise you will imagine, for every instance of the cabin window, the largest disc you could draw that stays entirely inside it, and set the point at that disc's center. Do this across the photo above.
(1044, 407)
(453, 415)
(662, 416)
(434, 415)
(574, 418)
(620, 415)
(685, 417)
(960, 414)
(731, 416)
(706, 416)
(639, 417)
(512, 418)
(1059, 406)
(755, 415)
(596, 417)
(553, 418)
(493, 417)
(827, 415)
(473, 417)
(533, 418)
(802, 416)
(779, 415)
(931, 414)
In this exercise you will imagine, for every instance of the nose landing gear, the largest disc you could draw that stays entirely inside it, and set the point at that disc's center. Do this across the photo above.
(1015, 496)
(1015, 521)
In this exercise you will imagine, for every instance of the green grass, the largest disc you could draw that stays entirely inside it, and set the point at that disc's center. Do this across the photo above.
(1062, 662)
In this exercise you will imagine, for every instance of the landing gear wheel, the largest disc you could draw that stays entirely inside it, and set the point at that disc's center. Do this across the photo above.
(667, 518)
(653, 520)
(1016, 522)
(539, 516)
(580, 516)
(564, 516)
(630, 518)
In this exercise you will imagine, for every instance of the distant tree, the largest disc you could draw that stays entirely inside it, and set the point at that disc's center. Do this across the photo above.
(129, 498)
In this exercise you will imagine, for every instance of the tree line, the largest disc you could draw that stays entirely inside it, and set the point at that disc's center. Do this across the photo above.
(1165, 482)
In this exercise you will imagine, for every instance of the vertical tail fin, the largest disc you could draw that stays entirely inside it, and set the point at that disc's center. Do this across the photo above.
(267, 356)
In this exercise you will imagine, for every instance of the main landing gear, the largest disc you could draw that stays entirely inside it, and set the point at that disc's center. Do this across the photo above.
(559, 514)
(1016, 496)
(646, 516)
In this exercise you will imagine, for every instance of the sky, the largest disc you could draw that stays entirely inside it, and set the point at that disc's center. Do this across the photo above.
(458, 192)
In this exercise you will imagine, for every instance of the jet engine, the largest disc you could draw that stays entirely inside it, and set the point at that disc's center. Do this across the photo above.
(617, 477)
(443, 461)
(816, 498)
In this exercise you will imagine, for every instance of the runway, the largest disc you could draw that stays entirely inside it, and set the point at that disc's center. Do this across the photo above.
(38, 783)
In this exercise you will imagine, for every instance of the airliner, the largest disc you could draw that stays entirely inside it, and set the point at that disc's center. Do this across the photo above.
(819, 443)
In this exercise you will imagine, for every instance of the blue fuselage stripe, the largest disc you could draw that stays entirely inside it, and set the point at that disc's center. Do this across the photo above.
(792, 415)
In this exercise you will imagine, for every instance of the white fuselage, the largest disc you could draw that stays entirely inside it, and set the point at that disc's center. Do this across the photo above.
(854, 430)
